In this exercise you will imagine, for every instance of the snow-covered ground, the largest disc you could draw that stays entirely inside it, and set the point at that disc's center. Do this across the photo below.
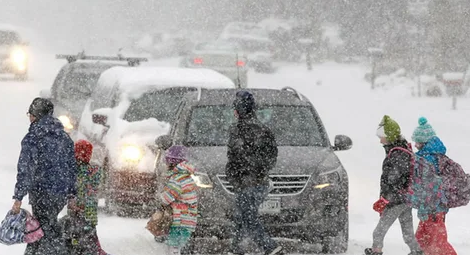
(346, 105)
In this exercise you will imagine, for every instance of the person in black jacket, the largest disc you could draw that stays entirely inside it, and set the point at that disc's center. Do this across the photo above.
(395, 179)
(252, 153)
(47, 172)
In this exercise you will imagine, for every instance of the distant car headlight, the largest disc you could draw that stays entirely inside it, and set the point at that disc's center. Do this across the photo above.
(66, 122)
(19, 56)
(202, 180)
(132, 153)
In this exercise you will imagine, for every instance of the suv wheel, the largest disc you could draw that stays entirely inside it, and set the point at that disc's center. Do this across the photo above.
(336, 244)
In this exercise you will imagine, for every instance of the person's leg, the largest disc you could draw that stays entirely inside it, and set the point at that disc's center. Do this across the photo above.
(406, 223)
(46, 210)
(437, 243)
(254, 197)
(238, 222)
(389, 216)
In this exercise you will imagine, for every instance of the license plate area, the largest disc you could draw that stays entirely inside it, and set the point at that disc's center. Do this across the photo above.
(270, 206)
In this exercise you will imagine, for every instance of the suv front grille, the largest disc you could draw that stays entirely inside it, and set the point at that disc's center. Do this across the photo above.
(280, 185)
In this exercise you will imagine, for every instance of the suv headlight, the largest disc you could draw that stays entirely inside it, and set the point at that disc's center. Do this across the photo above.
(327, 179)
(202, 180)
(132, 153)
(329, 175)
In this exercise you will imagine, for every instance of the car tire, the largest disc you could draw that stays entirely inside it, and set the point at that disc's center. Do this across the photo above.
(336, 244)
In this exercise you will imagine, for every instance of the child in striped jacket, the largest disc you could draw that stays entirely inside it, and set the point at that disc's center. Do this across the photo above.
(180, 192)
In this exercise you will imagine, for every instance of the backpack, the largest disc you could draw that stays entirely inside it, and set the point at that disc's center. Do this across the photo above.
(456, 183)
(425, 191)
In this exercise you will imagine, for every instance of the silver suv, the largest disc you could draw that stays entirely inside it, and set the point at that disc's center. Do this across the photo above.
(308, 194)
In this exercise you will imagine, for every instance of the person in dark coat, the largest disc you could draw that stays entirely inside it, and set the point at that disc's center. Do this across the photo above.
(47, 173)
(395, 179)
(252, 153)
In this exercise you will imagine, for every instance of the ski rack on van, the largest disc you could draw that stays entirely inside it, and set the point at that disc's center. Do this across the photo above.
(131, 61)
(293, 90)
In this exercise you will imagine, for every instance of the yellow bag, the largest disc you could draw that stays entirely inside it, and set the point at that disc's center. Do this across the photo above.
(160, 222)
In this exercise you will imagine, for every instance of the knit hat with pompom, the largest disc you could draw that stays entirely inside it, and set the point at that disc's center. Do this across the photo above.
(424, 132)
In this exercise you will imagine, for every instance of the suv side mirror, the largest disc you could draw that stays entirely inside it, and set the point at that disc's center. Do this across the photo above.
(164, 142)
(342, 143)
(100, 119)
(45, 93)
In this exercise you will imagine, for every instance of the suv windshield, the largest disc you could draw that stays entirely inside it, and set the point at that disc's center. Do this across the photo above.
(161, 105)
(292, 125)
(8, 38)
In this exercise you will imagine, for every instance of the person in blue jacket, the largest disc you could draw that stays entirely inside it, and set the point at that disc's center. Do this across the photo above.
(47, 172)
(432, 233)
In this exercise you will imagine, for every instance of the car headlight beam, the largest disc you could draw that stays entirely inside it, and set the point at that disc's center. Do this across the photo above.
(18, 56)
(66, 122)
(132, 153)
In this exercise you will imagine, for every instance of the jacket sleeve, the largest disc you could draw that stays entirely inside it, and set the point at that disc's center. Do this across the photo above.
(232, 157)
(395, 168)
(26, 167)
(171, 192)
(268, 150)
(73, 168)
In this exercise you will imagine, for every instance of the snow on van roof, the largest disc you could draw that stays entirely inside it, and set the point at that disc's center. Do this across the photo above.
(137, 78)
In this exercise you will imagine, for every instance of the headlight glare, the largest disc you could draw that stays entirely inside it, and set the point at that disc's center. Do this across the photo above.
(18, 56)
(66, 122)
(132, 153)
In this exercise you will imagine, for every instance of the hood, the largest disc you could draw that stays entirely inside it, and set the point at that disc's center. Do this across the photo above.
(433, 146)
(291, 160)
(184, 168)
(47, 125)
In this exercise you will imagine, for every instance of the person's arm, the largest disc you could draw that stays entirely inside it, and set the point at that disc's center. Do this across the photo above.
(171, 192)
(25, 166)
(394, 168)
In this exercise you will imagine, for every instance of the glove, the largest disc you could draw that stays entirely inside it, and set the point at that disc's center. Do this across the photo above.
(379, 205)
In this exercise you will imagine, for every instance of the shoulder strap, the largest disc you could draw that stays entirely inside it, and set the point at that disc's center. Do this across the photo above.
(410, 152)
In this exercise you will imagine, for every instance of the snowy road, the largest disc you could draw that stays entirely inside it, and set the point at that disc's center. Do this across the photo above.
(346, 105)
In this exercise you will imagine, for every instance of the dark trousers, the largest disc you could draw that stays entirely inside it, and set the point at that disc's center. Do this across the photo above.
(46, 209)
(246, 217)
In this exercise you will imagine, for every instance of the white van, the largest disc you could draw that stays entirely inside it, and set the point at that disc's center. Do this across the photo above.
(128, 110)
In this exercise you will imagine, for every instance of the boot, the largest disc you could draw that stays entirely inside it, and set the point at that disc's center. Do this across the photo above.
(369, 251)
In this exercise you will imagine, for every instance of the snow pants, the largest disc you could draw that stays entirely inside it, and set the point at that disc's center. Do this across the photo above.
(390, 215)
(46, 209)
(432, 236)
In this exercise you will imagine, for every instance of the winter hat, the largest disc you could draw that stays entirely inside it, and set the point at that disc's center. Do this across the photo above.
(176, 154)
(423, 132)
(41, 107)
(83, 151)
(389, 129)
(244, 103)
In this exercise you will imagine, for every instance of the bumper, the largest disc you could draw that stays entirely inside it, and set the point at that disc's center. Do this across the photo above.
(308, 216)
(9, 66)
(131, 188)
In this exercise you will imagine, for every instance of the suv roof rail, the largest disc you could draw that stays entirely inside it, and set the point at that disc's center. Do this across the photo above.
(293, 90)
(131, 61)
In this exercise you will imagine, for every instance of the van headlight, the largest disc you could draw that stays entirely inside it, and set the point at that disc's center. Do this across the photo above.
(202, 180)
(18, 56)
(66, 122)
(132, 153)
